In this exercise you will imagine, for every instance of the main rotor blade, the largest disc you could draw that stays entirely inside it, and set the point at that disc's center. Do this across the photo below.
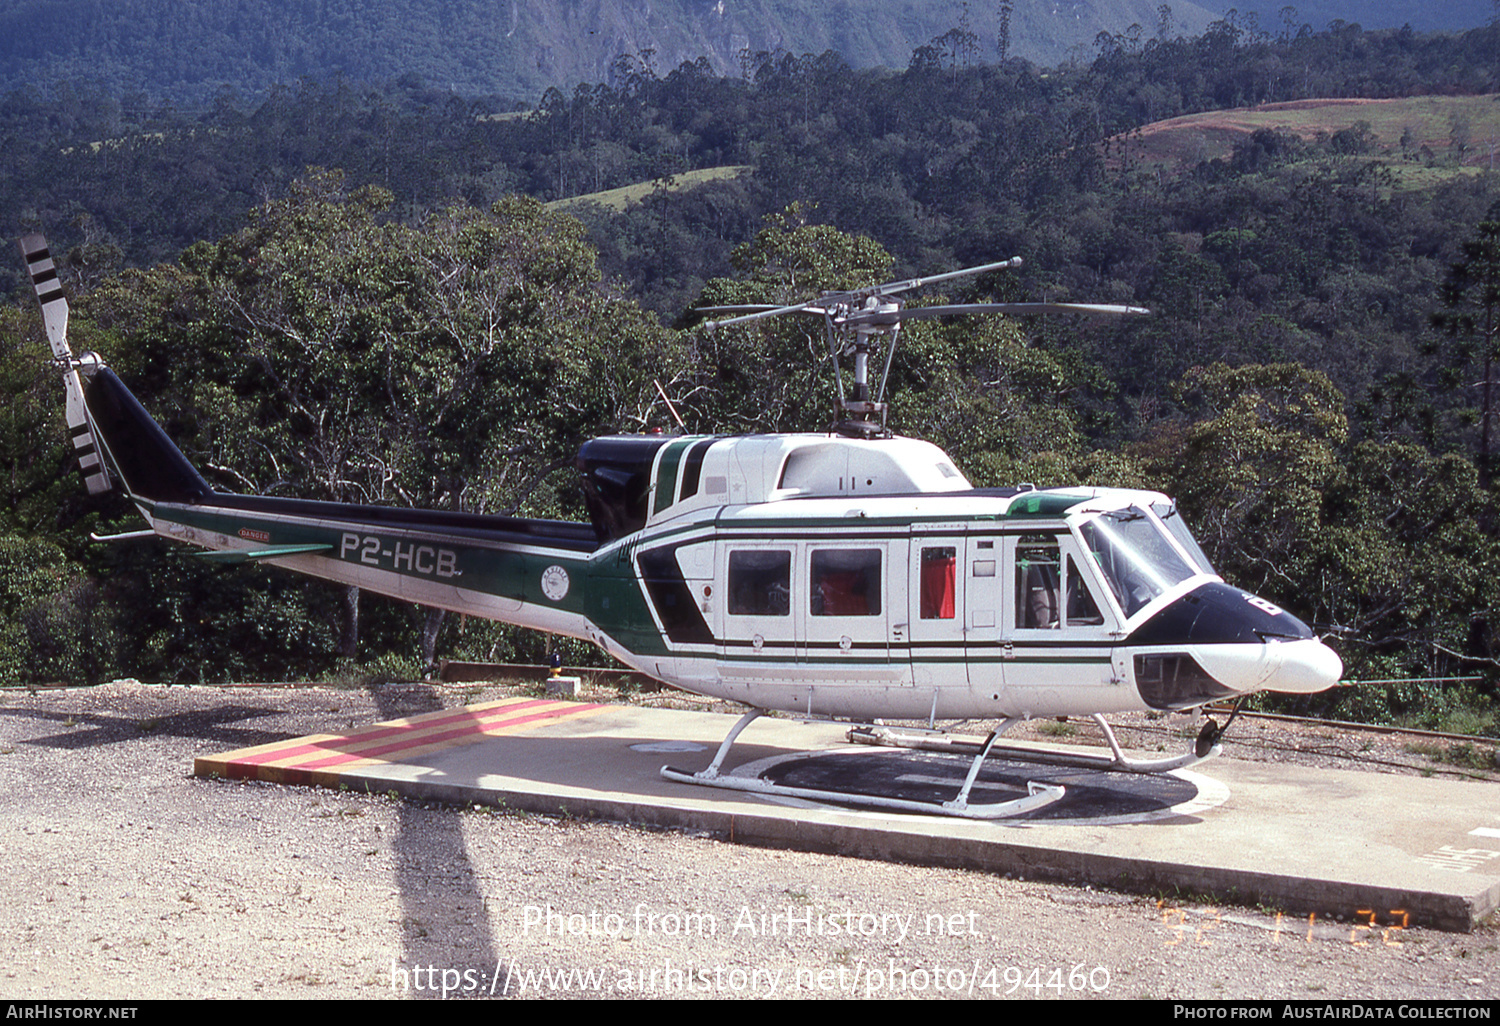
(736, 308)
(914, 283)
(832, 300)
(812, 306)
(877, 317)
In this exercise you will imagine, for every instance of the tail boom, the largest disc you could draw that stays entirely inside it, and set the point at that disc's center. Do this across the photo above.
(490, 567)
(499, 568)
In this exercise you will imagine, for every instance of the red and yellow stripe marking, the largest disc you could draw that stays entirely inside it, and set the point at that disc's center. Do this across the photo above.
(324, 758)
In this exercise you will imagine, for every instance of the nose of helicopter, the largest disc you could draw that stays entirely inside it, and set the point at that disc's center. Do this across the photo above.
(1306, 666)
(1240, 642)
(1300, 666)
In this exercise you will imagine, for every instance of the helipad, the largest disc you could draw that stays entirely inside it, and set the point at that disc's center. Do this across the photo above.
(1371, 848)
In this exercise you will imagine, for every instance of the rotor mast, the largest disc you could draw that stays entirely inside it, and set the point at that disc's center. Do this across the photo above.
(853, 318)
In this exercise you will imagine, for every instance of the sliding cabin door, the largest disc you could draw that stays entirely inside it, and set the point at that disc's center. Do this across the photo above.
(816, 625)
(855, 602)
(757, 622)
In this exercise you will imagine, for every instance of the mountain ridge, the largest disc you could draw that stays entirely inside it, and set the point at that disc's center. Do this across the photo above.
(520, 48)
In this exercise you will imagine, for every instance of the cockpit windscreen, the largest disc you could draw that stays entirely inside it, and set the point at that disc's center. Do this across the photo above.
(1138, 561)
(1172, 519)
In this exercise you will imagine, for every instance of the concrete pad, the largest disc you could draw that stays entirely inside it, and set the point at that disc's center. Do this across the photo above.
(1376, 849)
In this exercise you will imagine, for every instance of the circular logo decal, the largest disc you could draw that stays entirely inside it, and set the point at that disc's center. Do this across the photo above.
(555, 582)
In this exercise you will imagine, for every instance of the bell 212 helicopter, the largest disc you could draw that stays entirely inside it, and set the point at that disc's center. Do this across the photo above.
(851, 574)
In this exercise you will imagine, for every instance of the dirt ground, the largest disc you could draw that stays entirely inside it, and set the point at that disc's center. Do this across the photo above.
(127, 878)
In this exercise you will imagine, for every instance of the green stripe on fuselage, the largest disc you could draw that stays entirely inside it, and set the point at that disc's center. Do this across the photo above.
(666, 473)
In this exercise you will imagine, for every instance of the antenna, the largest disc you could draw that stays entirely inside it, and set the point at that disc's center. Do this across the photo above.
(670, 408)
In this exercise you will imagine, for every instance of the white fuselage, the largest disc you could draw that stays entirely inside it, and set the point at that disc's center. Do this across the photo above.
(866, 578)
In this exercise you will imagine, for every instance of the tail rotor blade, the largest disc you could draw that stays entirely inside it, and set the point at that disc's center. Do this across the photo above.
(48, 292)
(84, 446)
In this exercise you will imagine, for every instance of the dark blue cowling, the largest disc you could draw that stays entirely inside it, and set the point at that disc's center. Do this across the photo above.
(1217, 613)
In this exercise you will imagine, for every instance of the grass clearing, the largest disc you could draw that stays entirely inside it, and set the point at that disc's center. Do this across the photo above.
(618, 199)
(1430, 122)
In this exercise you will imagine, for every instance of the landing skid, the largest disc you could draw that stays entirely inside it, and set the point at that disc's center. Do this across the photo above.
(1038, 795)
(1206, 748)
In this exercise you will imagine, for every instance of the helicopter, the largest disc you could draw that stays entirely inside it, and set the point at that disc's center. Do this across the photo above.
(851, 574)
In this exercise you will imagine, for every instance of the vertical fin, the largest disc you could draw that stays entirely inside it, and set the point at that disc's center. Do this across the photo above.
(54, 304)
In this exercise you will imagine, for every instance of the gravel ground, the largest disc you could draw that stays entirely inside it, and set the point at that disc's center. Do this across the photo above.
(127, 878)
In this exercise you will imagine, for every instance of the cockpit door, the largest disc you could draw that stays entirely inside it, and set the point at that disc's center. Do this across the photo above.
(1059, 628)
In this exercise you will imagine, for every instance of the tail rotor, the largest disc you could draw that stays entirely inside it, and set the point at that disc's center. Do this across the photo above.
(49, 293)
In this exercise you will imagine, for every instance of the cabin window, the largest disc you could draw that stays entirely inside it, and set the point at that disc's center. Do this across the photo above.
(1041, 600)
(1083, 611)
(760, 583)
(939, 572)
(692, 467)
(1037, 575)
(845, 582)
(672, 597)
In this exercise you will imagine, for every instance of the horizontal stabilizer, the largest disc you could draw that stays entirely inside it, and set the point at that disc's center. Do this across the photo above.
(234, 556)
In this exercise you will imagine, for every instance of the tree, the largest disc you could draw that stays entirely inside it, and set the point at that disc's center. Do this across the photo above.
(1002, 36)
(1471, 319)
(1000, 405)
(34, 465)
(1381, 542)
(1404, 565)
(1251, 472)
(326, 352)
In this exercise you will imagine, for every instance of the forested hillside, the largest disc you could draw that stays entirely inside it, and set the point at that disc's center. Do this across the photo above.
(1376, 14)
(1305, 385)
(514, 48)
